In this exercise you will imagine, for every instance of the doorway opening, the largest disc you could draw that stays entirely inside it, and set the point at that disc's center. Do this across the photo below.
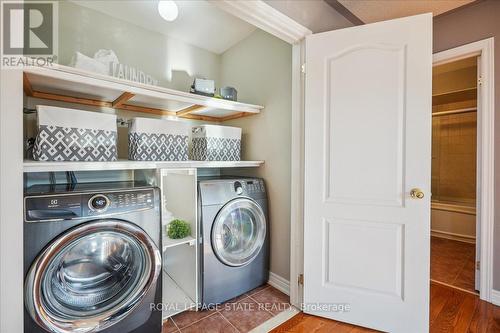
(454, 175)
(482, 51)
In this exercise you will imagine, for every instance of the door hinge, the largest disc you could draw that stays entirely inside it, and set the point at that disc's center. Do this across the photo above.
(478, 265)
(480, 81)
(300, 279)
(303, 68)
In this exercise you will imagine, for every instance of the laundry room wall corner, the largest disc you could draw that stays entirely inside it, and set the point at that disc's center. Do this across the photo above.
(260, 68)
(11, 201)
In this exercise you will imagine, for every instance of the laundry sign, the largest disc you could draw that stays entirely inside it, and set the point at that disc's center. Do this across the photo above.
(106, 62)
(130, 73)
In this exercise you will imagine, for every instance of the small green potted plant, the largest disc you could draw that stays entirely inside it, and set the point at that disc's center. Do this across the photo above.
(178, 229)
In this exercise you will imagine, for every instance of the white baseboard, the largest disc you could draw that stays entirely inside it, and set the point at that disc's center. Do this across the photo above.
(454, 236)
(495, 297)
(279, 283)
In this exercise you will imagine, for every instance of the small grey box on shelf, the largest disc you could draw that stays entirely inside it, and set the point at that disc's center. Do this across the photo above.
(229, 93)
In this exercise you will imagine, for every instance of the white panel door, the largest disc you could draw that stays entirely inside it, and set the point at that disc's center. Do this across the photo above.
(367, 145)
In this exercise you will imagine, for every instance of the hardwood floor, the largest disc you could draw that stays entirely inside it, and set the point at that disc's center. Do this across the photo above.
(451, 310)
(304, 323)
(452, 263)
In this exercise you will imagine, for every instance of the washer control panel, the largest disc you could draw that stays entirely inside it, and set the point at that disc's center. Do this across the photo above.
(81, 205)
(118, 202)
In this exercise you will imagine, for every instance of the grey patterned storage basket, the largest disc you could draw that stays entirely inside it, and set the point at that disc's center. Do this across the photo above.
(158, 140)
(216, 143)
(74, 135)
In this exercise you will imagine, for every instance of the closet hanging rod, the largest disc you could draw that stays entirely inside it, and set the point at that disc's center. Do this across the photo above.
(456, 111)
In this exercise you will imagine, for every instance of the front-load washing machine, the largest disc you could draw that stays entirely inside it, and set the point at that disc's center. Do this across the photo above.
(234, 233)
(92, 259)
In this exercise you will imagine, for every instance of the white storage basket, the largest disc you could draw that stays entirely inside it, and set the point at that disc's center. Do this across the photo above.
(158, 140)
(74, 135)
(216, 143)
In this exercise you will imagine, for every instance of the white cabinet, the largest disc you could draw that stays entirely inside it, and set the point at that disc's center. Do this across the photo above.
(180, 256)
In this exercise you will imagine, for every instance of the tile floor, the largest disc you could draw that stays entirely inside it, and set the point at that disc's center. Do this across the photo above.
(240, 314)
(452, 263)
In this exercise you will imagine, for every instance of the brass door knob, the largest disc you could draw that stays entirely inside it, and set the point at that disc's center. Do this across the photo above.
(417, 193)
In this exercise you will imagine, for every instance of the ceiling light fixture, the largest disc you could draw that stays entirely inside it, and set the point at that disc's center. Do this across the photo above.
(168, 10)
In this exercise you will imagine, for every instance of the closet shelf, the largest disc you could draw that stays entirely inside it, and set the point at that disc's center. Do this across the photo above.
(455, 96)
(71, 85)
(39, 166)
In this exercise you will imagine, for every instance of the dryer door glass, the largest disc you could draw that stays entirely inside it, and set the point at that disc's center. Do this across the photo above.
(93, 275)
(238, 232)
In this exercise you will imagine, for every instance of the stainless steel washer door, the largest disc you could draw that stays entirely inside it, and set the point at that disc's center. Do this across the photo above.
(239, 232)
(91, 277)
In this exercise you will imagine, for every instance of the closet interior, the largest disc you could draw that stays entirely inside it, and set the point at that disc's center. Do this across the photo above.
(454, 173)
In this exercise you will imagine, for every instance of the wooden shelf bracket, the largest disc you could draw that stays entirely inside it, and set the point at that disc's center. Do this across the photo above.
(122, 99)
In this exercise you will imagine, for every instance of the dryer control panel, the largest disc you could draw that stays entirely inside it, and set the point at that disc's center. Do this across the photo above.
(255, 186)
(249, 187)
(81, 205)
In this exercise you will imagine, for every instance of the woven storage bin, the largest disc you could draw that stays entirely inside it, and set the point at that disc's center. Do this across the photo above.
(158, 140)
(74, 135)
(216, 143)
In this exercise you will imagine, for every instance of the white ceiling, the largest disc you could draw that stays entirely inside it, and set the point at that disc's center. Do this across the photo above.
(199, 23)
(370, 11)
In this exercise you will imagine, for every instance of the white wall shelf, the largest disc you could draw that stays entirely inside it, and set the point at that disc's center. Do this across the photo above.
(39, 166)
(71, 85)
(169, 242)
(180, 256)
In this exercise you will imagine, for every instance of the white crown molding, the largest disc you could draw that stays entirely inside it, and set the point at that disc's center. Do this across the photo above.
(265, 17)
(279, 283)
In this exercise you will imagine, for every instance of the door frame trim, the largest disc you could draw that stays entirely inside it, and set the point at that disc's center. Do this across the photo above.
(297, 176)
(486, 181)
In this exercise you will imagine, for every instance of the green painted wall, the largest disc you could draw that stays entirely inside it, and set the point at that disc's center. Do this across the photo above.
(260, 67)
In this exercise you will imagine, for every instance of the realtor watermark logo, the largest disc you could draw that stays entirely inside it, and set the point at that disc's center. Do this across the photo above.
(29, 33)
